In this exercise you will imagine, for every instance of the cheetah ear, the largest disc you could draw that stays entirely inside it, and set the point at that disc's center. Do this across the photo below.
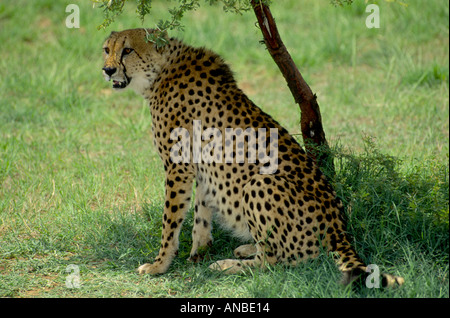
(109, 36)
(163, 40)
(165, 34)
(113, 32)
(158, 38)
(149, 31)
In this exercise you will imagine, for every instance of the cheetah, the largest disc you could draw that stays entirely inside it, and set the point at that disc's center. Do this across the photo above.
(279, 202)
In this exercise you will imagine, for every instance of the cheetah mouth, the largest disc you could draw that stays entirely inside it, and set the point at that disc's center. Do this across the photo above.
(119, 84)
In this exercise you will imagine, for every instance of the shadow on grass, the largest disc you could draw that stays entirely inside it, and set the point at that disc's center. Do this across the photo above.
(122, 239)
(397, 219)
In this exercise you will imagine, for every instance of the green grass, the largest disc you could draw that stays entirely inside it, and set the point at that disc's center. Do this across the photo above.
(80, 181)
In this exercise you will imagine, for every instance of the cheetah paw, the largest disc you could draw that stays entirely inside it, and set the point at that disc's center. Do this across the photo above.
(227, 266)
(245, 251)
(151, 269)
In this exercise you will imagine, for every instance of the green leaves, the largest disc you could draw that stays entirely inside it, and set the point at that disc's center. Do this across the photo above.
(114, 8)
(143, 8)
(160, 36)
(341, 2)
(234, 6)
(111, 9)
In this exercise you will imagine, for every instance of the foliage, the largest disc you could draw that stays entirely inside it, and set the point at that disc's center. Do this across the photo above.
(341, 2)
(386, 204)
(113, 8)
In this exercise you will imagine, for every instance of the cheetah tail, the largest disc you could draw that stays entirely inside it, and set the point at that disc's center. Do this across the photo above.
(354, 269)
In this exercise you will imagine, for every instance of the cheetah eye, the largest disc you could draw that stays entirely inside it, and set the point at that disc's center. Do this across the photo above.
(127, 51)
(106, 50)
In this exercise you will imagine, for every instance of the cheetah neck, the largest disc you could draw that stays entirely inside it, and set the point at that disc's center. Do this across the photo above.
(159, 68)
(179, 58)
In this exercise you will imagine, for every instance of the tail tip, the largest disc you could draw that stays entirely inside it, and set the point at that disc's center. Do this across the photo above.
(361, 278)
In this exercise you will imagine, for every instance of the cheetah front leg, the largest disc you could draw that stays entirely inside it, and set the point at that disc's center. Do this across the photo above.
(178, 191)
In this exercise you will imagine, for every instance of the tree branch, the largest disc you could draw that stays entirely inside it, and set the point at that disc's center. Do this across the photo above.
(311, 120)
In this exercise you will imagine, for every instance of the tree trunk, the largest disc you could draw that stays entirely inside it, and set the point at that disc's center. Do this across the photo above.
(311, 122)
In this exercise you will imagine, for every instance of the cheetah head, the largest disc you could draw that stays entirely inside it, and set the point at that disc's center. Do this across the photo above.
(130, 60)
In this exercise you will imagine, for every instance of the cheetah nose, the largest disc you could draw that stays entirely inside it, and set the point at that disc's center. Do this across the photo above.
(109, 70)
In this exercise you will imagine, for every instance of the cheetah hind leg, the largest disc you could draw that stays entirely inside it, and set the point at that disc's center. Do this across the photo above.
(233, 266)
(245, 251)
